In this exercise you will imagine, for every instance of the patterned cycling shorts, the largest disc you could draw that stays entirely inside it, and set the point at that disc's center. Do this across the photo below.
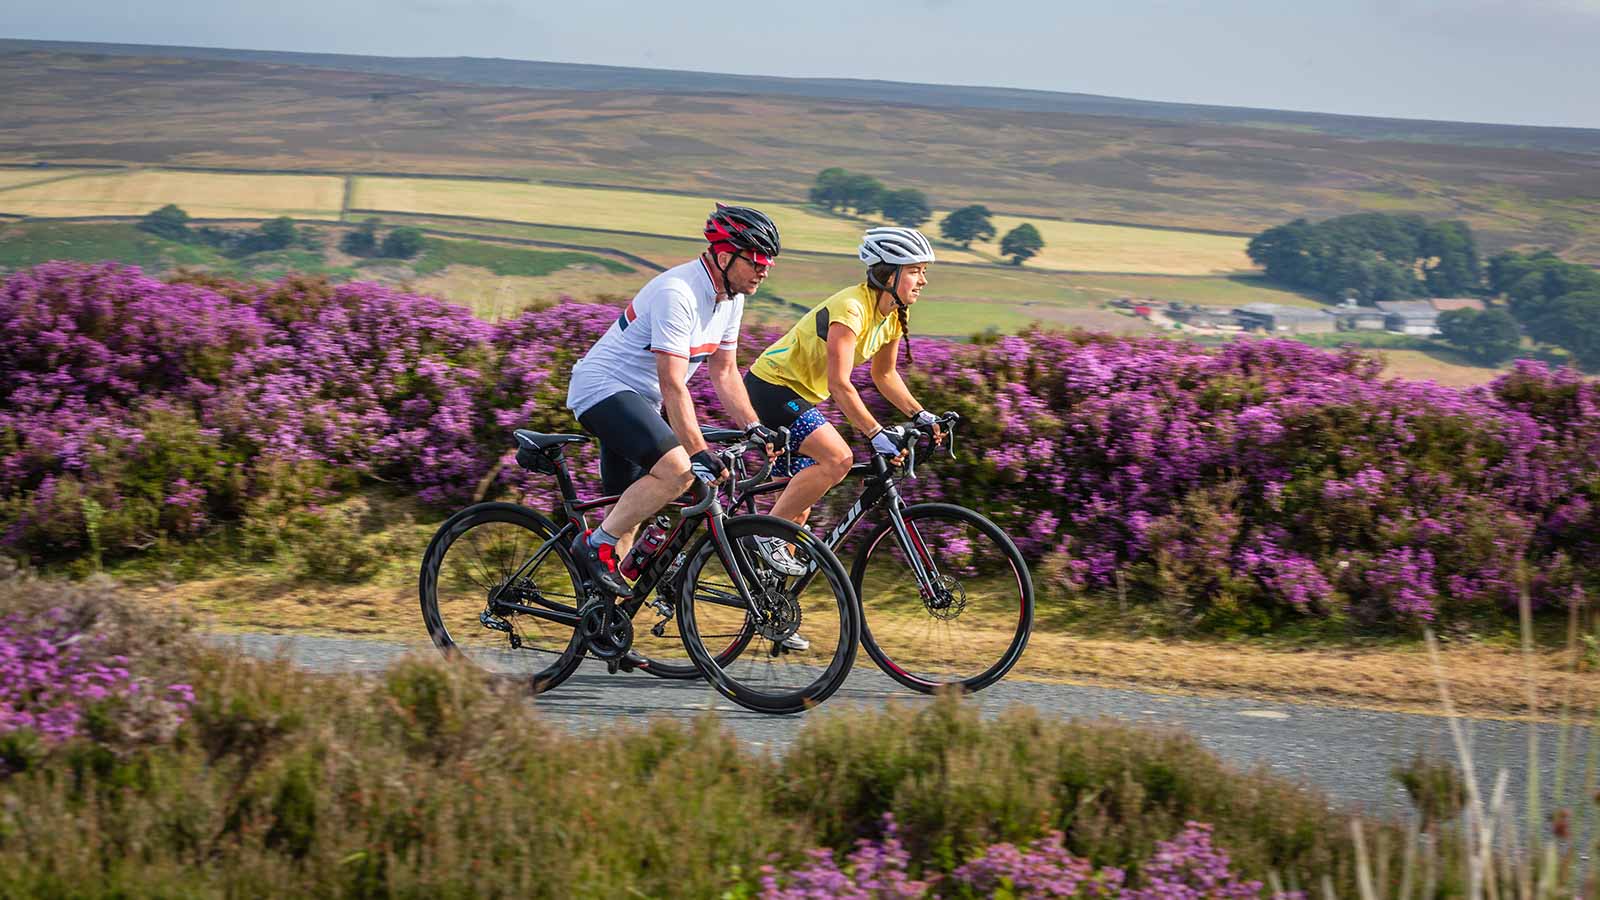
(802, 427)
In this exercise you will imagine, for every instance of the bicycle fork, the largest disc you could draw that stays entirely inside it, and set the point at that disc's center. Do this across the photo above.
(916, 550)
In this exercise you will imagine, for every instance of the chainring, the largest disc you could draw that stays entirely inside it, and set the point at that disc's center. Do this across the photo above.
(606, 628)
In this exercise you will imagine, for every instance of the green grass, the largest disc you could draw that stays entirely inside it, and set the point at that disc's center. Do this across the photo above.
(503, 260)
(33, 243)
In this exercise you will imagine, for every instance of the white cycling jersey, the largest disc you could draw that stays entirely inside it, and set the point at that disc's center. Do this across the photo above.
(676, 312)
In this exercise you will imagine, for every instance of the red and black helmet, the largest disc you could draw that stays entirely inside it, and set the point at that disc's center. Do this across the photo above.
(735, 228)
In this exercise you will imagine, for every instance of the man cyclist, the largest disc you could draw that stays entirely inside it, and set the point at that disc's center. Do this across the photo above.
(639, 370)
(814, 360)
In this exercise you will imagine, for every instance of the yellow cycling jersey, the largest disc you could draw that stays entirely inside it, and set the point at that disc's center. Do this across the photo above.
(799, 359)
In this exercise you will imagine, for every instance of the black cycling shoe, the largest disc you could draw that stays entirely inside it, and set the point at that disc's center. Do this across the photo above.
(600, 563)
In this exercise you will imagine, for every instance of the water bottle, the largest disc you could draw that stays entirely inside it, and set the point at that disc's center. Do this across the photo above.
(655, 534)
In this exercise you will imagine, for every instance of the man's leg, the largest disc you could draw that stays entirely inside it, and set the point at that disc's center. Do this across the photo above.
(667, 479)
(639, 459)
(833, 458)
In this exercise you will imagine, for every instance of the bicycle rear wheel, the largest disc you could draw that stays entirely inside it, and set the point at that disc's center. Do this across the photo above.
(481, 552)
(968, 626)
(751, 655)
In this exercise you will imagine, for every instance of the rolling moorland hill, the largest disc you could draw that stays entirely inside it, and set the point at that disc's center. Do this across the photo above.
(78, 107)
(576, 77)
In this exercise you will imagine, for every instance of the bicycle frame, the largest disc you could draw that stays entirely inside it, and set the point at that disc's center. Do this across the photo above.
(571, 512)
(882, 486)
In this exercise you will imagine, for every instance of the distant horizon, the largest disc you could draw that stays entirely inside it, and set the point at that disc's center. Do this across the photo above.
(1492, 62)
(815, 78)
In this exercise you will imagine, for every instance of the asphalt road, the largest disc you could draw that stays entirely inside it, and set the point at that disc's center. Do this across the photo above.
(1346, 752)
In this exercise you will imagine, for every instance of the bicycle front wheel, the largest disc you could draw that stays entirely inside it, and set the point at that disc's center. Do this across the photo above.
(491, 553)
(965, 622)
(794, 645)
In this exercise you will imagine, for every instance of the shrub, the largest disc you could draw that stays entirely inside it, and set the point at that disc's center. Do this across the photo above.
(1233, 489)
(956, 784)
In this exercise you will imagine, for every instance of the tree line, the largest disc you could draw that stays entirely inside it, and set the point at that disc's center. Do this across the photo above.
(1372, 257)
(1375, 256)
(1554, 301)
(837, 189)
(172, 222)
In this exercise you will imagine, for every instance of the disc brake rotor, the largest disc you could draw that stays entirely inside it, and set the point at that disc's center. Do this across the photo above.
(780, 614)
(948, 600)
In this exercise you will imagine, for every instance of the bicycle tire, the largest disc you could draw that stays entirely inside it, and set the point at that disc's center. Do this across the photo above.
(516, 533)
(668, 669)
(941, 660)
(753, 668)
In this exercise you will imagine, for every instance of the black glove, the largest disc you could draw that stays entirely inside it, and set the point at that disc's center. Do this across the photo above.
(763, 435)
(707, 466)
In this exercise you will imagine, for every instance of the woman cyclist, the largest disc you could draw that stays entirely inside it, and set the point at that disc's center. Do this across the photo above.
(814, 360)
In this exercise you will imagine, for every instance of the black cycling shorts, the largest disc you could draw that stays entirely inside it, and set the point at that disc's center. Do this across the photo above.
(633, 438)
(775, 405)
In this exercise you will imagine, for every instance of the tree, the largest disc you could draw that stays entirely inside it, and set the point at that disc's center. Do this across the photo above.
(831, 189)
(1490, 336)
(278, 233)
(363, 241)
(168, 222)
(967, 224)
(908, 208)
(1450, 259)
(1506, 269)
(402, 243)
(1020, 243)
(1572, 322)
(1373, 256)
(863, 193)
(1540, 280)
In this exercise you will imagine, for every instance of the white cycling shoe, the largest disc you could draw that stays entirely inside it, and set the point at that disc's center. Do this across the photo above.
(795, 642)
(776, 553)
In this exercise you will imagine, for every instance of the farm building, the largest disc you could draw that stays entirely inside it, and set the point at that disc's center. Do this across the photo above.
(1275, 319)
(1447, 303)
(1195, 316)
(1410, 316)
(1350, 316)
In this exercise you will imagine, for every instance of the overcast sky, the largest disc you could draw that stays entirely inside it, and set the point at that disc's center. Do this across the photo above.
(1531, 62)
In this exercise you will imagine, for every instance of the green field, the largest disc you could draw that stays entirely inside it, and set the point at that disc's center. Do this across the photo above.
(800, 275)
(36, 242)
(1072, 246)
(503, 260)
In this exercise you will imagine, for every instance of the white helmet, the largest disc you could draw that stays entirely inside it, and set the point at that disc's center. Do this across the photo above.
(895, 246)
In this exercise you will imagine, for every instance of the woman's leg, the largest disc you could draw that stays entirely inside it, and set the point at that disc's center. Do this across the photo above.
(827, 447)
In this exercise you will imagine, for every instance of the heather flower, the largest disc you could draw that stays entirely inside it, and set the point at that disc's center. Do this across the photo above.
(174, 408)
(51, 678)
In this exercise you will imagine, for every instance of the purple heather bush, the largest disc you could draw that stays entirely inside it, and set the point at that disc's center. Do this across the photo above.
(1240, 487)
(73, 666)
(1188, 867)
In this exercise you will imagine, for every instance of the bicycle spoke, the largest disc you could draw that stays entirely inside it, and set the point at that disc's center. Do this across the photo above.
(963, 619)
(791, 645)
(479, 560)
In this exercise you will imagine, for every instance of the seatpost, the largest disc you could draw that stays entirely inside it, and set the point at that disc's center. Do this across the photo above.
(569, 492)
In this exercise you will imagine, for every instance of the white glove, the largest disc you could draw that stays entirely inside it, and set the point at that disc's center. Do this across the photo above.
(923, 418)
(890, 441)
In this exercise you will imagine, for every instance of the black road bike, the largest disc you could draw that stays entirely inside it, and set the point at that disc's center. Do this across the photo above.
(499, 586)
(947, 599)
